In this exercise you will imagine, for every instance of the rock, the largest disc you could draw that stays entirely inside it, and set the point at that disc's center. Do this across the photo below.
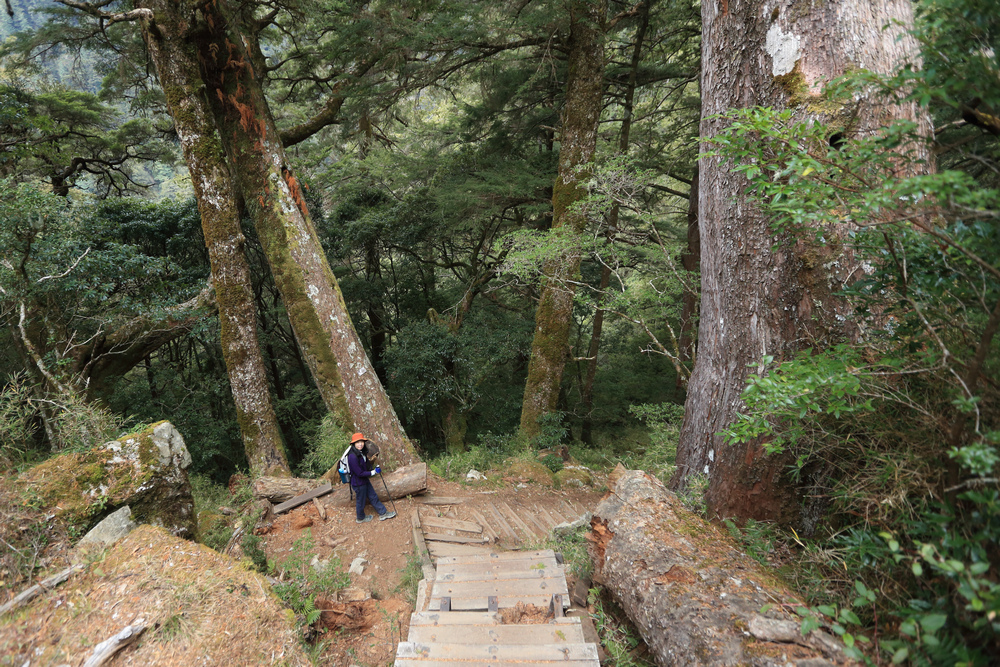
(474, 475)
(319, 565)
(145, 470)
(357, 566)
(577, 476)
(563, 529)
(112, 528)
(353, 594)
(529, 470)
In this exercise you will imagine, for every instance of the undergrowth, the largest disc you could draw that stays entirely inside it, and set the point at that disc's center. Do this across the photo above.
(301, 581)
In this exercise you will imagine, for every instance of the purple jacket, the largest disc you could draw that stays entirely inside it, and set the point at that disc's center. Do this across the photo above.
(358, 464)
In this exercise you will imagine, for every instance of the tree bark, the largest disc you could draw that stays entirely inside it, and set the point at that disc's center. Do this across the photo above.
(578, 141)
(273, 196)
(176, 64)
(687, 588)
(760, 297)
(691, 261)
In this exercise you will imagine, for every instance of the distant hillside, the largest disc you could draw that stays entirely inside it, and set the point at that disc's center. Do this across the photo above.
(25, 16)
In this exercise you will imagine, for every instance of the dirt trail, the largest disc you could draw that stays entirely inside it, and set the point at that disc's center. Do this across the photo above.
(387, 545)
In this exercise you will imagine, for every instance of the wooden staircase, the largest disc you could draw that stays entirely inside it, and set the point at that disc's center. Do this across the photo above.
(462, 625)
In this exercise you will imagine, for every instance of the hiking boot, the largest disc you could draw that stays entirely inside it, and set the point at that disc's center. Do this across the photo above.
(387, 515)
(368, 517)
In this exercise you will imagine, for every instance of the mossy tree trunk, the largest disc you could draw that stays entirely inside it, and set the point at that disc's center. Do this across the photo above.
(578, 141)
(177, 68)
(273, 197)
(758, 297)
(587, 394)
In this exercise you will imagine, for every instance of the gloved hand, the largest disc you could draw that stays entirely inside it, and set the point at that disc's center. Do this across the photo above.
(378, 470)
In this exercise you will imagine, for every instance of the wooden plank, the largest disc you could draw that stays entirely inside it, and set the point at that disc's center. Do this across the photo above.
(528, 532)
(504, 526)
(557, 517)
(413, 662)
(420, 546)
(498, 575)
(455, 539)
(543, 633)
(543, 531)
(503, 587)
(534, 554)
(304, 498)
(320, 509)
(487, 528)
(441, 500)
(473, 595)
(571, 512)
(452, 524)
(471, 618)
(546, 516)
(493, 653)
(444, 550)
(480, 604)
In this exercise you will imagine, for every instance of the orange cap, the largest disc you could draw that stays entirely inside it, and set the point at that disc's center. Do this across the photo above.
(358, 436)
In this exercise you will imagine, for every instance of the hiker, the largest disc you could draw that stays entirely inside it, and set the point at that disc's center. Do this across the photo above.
(358, 464)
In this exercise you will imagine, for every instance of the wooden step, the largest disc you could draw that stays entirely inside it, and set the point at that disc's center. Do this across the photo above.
(441, 550)
(497, 574)
(451, 524)
(419, 654)
(538, 633)
(538, 554)
(472, 618)
(515, 517)
(537, 565)
(454, 539)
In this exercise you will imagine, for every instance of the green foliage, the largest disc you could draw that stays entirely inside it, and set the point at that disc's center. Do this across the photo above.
(325, 448)
(305, 581)
(410, 577)
(553, 462)
(618, 637)
(903, 425)
(756, 537)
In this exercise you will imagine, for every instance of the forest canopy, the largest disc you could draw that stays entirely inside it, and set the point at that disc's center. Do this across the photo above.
(482, 230)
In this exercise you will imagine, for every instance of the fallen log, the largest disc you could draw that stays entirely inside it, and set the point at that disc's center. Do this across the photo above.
(32, 592)
(405, 481)
(109, 647)
(693, 596)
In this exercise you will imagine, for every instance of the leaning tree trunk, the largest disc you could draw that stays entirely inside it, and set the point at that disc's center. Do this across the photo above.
(273, 196)
(758, 298)
(176, 64)
(578, 142)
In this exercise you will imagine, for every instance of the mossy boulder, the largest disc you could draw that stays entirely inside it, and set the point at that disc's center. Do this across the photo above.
(528, 471)
(575, 475)
(144, 470)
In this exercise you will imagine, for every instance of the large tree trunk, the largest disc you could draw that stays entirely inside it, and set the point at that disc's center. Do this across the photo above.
(693, 596)
(177, 68)
(273, 196)
(578, 142)
(758, 297)
(587, 393)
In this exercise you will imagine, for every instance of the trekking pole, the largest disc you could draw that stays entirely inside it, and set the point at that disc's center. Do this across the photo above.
(387, 494)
